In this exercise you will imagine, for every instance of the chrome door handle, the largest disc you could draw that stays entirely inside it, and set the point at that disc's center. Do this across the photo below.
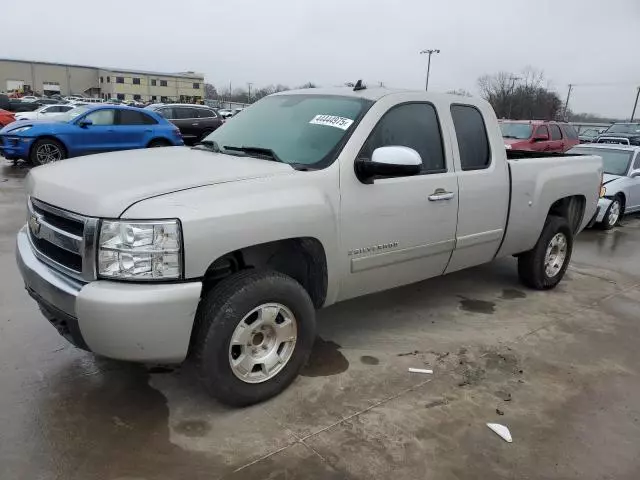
(440, 194)
(195, 124)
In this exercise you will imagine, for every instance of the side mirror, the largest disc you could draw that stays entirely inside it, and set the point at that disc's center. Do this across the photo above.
(85, 122)
(541, 138)
(388, 162)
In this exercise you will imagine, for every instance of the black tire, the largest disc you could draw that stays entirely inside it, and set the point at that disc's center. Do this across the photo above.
(531, 264)
(204, 135)
(220, 312)
(35, 155)
(158, 142)
(607, 223)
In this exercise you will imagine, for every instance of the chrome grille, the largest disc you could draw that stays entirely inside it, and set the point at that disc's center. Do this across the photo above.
(63, 239)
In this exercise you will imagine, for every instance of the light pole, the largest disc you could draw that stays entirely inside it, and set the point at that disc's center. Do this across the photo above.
(566, 103)
(635, 105)
(249, 94)
(429, 52)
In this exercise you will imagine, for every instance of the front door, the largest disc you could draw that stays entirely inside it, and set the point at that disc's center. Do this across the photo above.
(399, 230)
(97, 137)
(634, 187)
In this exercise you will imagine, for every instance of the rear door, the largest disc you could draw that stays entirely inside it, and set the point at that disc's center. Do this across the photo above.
(541, 145)
(556, 144)
(134, 128)
(186, 118)
(570, 136)
(392, 233)
(483, 180)
(634, 188)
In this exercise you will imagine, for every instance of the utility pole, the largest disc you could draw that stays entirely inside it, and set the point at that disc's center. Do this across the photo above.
(249, 94)
(428, 52)
(635, 105)
(566, 103)
(513, 79)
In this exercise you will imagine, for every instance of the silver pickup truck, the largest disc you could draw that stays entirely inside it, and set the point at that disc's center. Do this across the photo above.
(222, 253)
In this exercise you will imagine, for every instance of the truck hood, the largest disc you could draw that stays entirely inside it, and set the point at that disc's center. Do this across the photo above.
(106, 185)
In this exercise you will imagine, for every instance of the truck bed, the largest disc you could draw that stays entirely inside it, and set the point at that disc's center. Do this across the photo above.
(536, 183)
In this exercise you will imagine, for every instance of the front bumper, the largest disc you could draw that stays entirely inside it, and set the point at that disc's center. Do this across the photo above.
(603, 206)
(13, 146)
(125, 321)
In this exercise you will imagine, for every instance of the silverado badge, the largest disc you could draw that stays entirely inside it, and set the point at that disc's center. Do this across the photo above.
(34, 225)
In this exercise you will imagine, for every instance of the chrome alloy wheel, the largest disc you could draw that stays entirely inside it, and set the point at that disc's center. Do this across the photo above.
(614, 213)
(48, 153)
(556, 255)
(262, 343)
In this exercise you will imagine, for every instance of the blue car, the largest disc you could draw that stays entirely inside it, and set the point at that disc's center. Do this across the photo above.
(84, 130)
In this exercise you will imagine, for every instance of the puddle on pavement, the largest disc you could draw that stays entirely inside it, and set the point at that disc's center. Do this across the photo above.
(512, 294)
(369, 360)
(477, 306)
(325, 359)
(192, 428)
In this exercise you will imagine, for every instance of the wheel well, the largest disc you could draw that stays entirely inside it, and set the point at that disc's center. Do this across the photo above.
(571, 208)
(50, 137)
(159, 139)
(303, 259)
(623, 197)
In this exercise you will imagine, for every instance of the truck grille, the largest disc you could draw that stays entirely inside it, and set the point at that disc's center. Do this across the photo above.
(62, 239)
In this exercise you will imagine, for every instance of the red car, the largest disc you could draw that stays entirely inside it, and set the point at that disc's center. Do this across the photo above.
(538, 136)
(6, 118)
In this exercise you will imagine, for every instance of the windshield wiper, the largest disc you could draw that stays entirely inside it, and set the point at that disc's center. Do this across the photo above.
(210, 144)
(260, 151)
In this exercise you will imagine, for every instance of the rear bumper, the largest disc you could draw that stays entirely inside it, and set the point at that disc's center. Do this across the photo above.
(125, 321)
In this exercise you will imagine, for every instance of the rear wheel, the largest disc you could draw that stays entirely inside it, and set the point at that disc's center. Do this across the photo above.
(613, 214)
(46, 150)
(255, 332)
(545, 264)
(157, 143)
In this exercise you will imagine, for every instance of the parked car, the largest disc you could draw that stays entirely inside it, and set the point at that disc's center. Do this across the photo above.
(538, 136)
(86, 130)
(6, 117)
(29, 98)
(44, 111)
(589, 135)
(225, 113)
(624, 133)
(223, 252)
(621, 186)
(194, 121)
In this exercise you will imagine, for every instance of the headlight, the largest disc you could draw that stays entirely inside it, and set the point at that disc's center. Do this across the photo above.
(20, 130)
(140, 250)
(507, 146)
(603, 191)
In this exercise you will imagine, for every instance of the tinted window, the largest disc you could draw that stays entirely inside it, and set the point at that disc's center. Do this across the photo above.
(471, 133)
(636, 164)
(136, 81)
(196, 86)
(163, 83)
(413, 125)
(555, 132)
(130, 117)
(184, 112)
(166, 112)
(206, 113)
(101, 117)
(569, 131)
(119, 79)
(542, 131)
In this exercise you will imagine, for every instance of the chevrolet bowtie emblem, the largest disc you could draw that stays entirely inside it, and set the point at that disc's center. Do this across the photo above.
(34, 225)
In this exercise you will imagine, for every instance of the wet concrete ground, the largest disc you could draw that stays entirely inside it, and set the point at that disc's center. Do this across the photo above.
(559, 368)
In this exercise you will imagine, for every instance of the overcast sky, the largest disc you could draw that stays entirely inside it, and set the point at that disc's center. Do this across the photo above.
(329, 42)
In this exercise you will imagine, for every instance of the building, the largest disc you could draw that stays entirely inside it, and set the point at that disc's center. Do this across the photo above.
(57, 78)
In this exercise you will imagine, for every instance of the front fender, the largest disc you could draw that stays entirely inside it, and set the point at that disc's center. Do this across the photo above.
(219, 219)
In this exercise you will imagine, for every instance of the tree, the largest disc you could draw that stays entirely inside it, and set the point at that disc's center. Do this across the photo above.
(210, 91)
(520, 97)
(308, 85)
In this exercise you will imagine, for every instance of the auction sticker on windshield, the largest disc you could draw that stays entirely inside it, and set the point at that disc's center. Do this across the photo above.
(332, 121)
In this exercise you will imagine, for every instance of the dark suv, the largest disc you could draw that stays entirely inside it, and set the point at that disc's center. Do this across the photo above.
(194, 121)
(624, 133)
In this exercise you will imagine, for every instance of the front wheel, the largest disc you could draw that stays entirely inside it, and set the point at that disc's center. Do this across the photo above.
(255, 331)
(46, 150)
(157, 143)
(545, 264)
(613, 214)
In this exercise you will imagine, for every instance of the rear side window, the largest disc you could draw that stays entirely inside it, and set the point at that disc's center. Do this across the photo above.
(569, 131)
(129, 117)
(184, 112)
(542, 131)
(413, 125)
(206, 113)
(555, 132)
(471, 133)
(166, 112)
(636, 164)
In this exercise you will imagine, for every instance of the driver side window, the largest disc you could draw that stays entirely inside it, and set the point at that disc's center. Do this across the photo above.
(102, 117)
(636, 164)
(413, 125)
(542, 131)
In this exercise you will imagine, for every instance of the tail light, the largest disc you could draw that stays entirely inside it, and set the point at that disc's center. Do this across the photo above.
(603, 189)
(176, 132)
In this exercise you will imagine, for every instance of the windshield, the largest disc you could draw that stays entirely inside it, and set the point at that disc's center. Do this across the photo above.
(521, 131)
(615, 162)
(71, 114)
(300, 129)
(624, 128)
